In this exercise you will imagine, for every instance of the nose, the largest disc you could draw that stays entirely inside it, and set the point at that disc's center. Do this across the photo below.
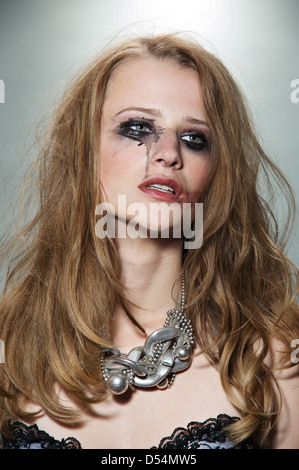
(166, 151)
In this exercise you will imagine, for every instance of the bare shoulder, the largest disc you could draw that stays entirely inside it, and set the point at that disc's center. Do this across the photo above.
(287, 434)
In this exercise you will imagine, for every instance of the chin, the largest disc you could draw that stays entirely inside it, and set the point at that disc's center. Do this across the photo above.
(165, 226)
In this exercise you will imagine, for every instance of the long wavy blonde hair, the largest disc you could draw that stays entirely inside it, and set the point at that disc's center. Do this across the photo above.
(63, 282)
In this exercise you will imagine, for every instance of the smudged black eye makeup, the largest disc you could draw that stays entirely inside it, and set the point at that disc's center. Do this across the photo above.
(140, 129)
(145, 131)
(195, 140)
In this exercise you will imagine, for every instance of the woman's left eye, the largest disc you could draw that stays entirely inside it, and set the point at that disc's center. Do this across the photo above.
(195, 140)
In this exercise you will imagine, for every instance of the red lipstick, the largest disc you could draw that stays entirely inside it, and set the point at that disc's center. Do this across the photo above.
(162, 188)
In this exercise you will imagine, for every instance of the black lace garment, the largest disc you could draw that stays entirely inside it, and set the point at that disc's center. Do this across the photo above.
(209, 434)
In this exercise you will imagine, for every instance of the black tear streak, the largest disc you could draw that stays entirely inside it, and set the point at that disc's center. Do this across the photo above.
(148, 140)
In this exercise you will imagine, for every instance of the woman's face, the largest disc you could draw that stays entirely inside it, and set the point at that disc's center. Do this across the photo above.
(155, 141)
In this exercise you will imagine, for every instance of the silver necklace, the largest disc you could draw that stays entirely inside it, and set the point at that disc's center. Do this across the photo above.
(165, 352)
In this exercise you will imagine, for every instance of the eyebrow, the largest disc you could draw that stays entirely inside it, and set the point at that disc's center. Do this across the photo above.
(151, 111)
(193, 120)
(157, 113)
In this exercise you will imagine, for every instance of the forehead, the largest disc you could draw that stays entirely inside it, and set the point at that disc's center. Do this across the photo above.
(153, 83)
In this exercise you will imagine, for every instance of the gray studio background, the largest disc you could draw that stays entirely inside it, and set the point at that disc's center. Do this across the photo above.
(43, 42)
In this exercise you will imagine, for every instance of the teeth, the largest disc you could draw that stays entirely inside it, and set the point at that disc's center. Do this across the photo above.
(162, 187)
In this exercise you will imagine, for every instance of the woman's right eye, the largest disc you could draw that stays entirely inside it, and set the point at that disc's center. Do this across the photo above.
(135, 129)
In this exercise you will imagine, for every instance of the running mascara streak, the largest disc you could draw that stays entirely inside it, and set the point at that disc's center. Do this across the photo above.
(144, 131)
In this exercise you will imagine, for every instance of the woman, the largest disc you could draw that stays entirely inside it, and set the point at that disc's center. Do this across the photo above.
(153, 120)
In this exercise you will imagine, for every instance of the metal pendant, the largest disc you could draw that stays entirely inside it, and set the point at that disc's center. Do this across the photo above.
(165, 352)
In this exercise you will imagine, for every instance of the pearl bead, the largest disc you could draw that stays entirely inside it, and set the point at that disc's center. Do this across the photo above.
(117, 384)
(183, 354)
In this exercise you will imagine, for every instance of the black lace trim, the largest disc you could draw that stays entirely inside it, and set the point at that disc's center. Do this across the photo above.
(30, 437)
(209, 434)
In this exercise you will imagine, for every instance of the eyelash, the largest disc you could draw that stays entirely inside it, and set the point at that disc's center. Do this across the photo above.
(195, 133)
(126, 130)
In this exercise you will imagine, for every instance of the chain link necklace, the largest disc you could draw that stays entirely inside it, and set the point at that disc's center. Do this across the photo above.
(166, 351)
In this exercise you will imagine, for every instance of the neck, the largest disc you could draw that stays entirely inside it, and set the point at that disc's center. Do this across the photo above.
(150, 269)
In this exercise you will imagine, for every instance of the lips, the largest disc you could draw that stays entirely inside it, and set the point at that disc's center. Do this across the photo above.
(160, 187)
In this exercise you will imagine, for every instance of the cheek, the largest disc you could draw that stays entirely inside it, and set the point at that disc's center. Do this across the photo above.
(111, 169)
(119, 162)
(198, 174)
(112, 162)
